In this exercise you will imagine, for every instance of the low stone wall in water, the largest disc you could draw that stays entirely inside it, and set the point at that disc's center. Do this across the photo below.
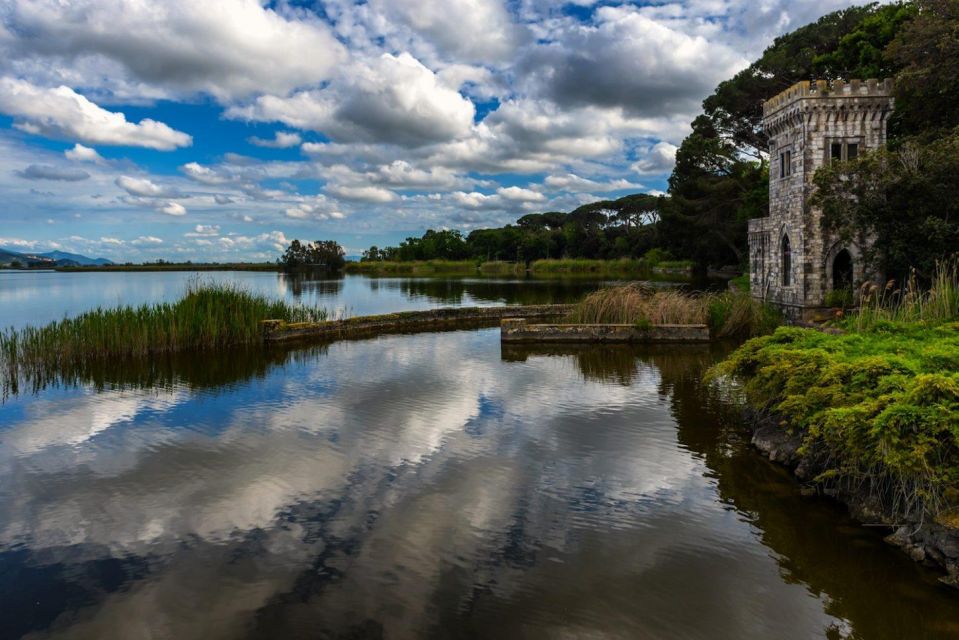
(518, 330)
(407, 321)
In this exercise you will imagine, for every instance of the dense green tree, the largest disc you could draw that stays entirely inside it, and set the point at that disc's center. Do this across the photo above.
(927, 87)
(434, 245)
(625, 227)
(325, 254)
(903, 199)
(714, 191)
(735, 108)
(862, 52)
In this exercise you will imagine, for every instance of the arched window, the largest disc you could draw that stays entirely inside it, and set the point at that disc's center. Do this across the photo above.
(787, 258)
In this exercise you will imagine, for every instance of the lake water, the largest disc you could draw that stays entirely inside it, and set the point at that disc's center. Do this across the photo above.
(436, 485)
(39, 297)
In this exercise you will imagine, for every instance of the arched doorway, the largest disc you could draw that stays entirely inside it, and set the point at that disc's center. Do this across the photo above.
(842, 271)
(787, 261)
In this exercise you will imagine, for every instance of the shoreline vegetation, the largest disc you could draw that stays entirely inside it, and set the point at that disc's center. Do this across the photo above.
(208, 316)
(569, 266)
(374, 268)
(727, 314)
(871, 405)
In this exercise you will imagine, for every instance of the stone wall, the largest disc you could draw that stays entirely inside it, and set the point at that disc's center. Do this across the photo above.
(519, 330)
(406, 321)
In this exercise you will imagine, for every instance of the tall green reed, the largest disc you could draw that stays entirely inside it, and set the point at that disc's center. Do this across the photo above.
(207, 317)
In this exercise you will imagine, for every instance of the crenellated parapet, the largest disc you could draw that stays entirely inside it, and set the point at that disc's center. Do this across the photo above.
(823, 89)
(868, 100)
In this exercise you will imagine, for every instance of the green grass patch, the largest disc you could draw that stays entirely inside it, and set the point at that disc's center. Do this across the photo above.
(740, 283)
(598, 267)
(207, 317)
(499, 267)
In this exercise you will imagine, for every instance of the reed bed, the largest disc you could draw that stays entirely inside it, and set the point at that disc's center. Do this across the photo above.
(728, 314)
(936, 304)
(207, 317)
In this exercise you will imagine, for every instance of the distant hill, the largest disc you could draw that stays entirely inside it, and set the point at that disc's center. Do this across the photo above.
(50, 258)
(83, 261)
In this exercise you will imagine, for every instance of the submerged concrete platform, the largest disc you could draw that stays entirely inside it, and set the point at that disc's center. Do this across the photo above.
(519, 330)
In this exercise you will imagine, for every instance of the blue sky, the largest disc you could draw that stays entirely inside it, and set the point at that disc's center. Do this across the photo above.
(220, 130)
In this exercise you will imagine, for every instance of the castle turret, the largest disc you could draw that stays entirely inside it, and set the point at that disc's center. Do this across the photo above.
(793, 263)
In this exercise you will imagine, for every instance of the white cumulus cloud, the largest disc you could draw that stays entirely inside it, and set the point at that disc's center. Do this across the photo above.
(61, 112)
(393, 99)
(81, 153)
(228, 48)
(145, 188)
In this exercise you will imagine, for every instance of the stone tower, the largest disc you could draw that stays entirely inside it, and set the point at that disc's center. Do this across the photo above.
(793, 263)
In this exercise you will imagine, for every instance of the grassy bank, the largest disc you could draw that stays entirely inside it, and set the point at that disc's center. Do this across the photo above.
(413, 267)
(876, 403)
(501, 268)
(566, 266)
(728, 314)
(583, 266)
(207, 317)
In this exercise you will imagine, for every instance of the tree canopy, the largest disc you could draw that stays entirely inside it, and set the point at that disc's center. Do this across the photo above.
(321, 254)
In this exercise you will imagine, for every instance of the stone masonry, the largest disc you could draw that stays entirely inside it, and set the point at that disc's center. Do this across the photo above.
(793, 263)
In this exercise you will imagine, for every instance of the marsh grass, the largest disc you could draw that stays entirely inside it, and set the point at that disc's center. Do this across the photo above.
(674, 264)
(935, 304)
(582, 265)
(728, 314)
(207, 317)
(500, 267)
(413, 267)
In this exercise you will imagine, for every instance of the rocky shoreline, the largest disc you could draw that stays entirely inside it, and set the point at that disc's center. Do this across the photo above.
(929, 543)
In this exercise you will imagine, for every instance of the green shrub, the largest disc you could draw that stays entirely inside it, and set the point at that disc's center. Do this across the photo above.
(878, 410)
(643, 324)
(740, 283)
(841, 298)
(656, 255)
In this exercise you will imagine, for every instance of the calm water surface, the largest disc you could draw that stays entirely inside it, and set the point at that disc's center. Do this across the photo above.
(426, 486)
(415, 486)
(36, 298)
